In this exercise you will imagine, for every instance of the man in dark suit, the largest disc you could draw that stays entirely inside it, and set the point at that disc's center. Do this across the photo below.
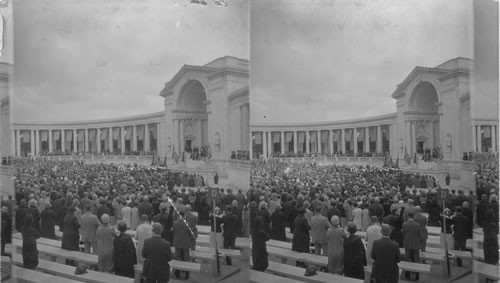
(411, 242)
(386, 256)
(422, 221)
(182, 241)
(459, 232)
(230, 222)
(157, 254)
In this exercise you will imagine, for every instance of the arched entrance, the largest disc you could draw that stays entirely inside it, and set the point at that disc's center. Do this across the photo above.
(423, 113)
(193, 118)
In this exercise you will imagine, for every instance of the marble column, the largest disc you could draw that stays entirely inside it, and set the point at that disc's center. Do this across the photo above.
(282, 147)
(176, 136)
(366, 142)
(18, 143)
(379, 139)
(391, 127)
(494, 138)
(37, 142)
(122, 139)
(319, 141)
(264, 144)
(98, 137)
(413, 137)
(134, 138)
(308, 142)
(330, 140)
(431, 143)
(50, 141)
(408, 136)
(200, 133)
(75, 140)
(295, 150)
(181, 135)
(110, 140)
(479, 139)
(342, 141)
(13, 142)
(63, 140)
(251, 145)
(32, 142)
(474, 138)
(269, 143)
(147, 132)
(355, 140)
(158, 136)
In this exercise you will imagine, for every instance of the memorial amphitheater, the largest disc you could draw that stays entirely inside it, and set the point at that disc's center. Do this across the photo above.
(432, 118)
(206, 114)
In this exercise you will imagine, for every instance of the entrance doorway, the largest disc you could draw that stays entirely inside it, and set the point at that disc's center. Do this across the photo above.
(420, 147)
(187, 147)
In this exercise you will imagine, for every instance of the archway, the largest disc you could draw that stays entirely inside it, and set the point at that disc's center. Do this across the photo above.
(424, 111)
(193, 117)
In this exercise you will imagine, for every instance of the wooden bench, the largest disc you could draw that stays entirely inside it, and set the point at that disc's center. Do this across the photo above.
(298, 273)
(174, 264)
(478, 254)
(403, 266)
(67, 271)
(225, 252)
(263, 277)
(243, 243)
(436, 231)
(20, 274)
(484, 270)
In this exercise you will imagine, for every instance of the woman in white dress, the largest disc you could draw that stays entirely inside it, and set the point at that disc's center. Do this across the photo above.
(356, 215)
(144, 231)
(134, 221)
(127, 215)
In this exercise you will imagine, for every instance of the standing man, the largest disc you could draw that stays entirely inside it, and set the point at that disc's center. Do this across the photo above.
(229, 222)
(182, 242)
(459, 232)
(88, 229)
(157, 254)
(319, 226)
(422, 221)
(216, 179)
(411, 242)
(386, 255)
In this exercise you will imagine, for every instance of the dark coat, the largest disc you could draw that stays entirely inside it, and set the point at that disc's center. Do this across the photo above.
(266, 220)
(71, 236)
(467, 212)
(20, 215)
(157, 254)
(490, 242)
(124, 256)
(48, 229)
(460, 228)
(61, 214)
(182, 235)
(30, 250)
(411, 235)
(386, 256)
(259, 250)
(301, 239)
(278, 221)
(354, 257)
(230, 222)
(36, 217)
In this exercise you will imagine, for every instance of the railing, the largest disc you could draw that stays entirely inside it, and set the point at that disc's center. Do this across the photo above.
(114, 158)
(333, 159)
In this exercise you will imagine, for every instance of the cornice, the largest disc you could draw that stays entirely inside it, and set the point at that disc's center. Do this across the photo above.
(386, 119)
(413, 74)
(167, 90)
(139, 119)
(239, 93)
(454, 74)
(229, 72)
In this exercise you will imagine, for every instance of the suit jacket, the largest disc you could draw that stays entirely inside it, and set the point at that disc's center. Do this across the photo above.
(89, 226)
(157, 254)
(411, 235)
(230, 226)
(422, 221)
(386, 256)
(182, 235)
(319, 226)
(460, 228)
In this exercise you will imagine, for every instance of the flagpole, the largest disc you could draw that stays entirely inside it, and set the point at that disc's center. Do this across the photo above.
(215, 239)
(445, 240)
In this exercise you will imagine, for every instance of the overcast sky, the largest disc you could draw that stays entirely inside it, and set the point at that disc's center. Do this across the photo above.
(342, 59)
(95, 59)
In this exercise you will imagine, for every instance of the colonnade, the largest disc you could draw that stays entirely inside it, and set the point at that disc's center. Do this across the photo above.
(353, 141)
(484, 137)
(113, 140)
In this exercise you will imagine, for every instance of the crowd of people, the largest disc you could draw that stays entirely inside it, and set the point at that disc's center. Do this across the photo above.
(324, 207)
(95, 204)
